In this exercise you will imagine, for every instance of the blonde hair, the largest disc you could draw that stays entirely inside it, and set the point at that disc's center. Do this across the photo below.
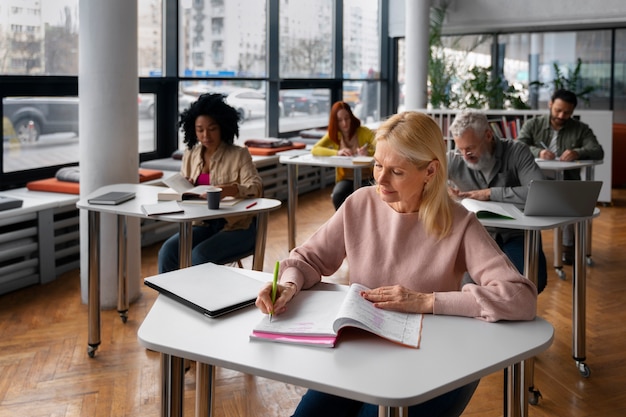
(418, 138)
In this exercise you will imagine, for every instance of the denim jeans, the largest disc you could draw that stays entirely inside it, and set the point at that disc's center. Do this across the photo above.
(316, 404)
(514, 249)
(210, 243)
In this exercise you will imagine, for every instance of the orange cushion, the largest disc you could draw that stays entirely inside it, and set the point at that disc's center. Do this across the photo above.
(55, 186)
(273, 151)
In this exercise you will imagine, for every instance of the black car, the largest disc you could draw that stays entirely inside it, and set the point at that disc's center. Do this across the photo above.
(35, 116)
(305, 101)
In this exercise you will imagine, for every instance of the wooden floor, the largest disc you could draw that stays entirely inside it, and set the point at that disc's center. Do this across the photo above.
(45, 370)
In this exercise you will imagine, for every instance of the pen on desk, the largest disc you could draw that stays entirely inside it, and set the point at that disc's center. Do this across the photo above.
(251, 205)
(274, 287)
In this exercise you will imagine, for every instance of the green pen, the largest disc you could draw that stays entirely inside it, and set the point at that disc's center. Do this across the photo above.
(274, 286)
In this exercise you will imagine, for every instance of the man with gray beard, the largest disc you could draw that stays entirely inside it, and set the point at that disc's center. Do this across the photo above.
(484, 167)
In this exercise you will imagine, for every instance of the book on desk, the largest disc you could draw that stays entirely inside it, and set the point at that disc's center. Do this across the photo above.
(112, 198)
(491, 209)
(316, 317)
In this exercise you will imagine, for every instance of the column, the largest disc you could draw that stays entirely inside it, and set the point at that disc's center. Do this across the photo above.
(108, 121)
(417, 51)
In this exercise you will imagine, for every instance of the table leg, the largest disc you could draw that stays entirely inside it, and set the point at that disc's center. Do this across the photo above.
(513, 392)
(185, 245)
(261, 238)
(393, 411)
(292, 203)
(93, 287)
(358, 178)
(122, 269)
(532, 239)
(579, 299)
(172, 386)
(205, 389)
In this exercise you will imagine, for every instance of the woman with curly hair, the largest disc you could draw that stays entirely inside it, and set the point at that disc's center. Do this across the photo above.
(212, 158)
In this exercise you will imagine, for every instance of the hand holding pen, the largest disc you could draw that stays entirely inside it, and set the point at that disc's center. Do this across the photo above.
(274, 288)
(546, 153)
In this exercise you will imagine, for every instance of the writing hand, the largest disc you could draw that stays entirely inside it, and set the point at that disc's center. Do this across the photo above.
(284, 294)
(363, 150)
(398, 298)
(344, 152)
(546, 154)
(569, 155)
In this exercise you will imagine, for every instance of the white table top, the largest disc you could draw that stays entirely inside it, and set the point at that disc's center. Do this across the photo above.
(555, 165)
(454, 351)
(532, 222)
(34, 201)
(147, 194)
(323, 161)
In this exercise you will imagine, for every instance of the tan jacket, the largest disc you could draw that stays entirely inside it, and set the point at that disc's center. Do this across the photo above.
(230, 165)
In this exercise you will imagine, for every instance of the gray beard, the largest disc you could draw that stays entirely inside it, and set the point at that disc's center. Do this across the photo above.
(485, 163)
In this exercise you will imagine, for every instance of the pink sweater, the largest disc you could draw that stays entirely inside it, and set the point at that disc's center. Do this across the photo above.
(384, 247)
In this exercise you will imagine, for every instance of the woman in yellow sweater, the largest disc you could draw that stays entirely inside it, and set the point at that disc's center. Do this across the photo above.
(345, 137)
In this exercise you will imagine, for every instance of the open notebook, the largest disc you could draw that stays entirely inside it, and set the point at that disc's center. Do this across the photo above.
(211, 289)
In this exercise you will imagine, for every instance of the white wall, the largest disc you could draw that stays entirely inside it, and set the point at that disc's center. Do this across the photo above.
(477, 16)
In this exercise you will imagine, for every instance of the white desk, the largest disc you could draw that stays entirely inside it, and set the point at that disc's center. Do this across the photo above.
(454, 351)
(532, 226)
(147, 194)
(559, 168)
(305, 158)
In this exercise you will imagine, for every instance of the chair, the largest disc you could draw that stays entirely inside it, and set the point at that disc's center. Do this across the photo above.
(237, 258)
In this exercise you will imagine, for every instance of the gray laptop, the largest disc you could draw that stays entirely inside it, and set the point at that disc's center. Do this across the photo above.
(562, 198)
(211, 289)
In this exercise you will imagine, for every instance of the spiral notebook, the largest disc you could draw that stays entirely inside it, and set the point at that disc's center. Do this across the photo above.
(210, 289)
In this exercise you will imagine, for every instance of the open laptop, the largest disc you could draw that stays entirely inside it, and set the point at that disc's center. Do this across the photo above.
(211, 289)
(562, 198)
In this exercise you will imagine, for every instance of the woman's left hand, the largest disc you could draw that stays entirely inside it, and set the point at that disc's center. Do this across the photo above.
(398, 298)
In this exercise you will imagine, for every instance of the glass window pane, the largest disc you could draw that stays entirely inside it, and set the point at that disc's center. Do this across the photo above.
(39, 132)
(219, 38)
(619, 89)
(363, 97)
(558, 54)
(303, 109)
(248, 97)
(306, 47)
(43, 131)
(150, 38)
(39, 37)
(361, 39)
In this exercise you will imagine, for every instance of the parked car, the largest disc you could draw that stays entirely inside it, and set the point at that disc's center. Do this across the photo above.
(249, 102)
(352, 93)
(35, 116)
(146, 105)
(305, 101)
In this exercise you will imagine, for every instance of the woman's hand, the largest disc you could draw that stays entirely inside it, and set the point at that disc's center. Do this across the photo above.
(284, 294)
(398, 298)
(344, 152)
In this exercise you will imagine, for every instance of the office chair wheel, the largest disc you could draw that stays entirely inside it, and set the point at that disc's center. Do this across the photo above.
(589, 261)
(91, 350)
(123, 315)
(583, 369)
(560, 273)
(533, 396)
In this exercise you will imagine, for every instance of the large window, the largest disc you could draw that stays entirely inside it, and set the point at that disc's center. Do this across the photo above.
(306, 46)
(222, 38)
(619, 86)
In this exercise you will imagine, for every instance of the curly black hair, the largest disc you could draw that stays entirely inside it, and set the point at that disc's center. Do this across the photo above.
(214, 106)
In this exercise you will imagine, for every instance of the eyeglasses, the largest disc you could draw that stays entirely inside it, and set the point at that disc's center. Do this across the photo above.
(463, 152)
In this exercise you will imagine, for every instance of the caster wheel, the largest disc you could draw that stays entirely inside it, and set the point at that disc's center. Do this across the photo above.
(560, 273)
(533, 396)
(583, 369)
(91, 351)
(123, 316)
(589, 261)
